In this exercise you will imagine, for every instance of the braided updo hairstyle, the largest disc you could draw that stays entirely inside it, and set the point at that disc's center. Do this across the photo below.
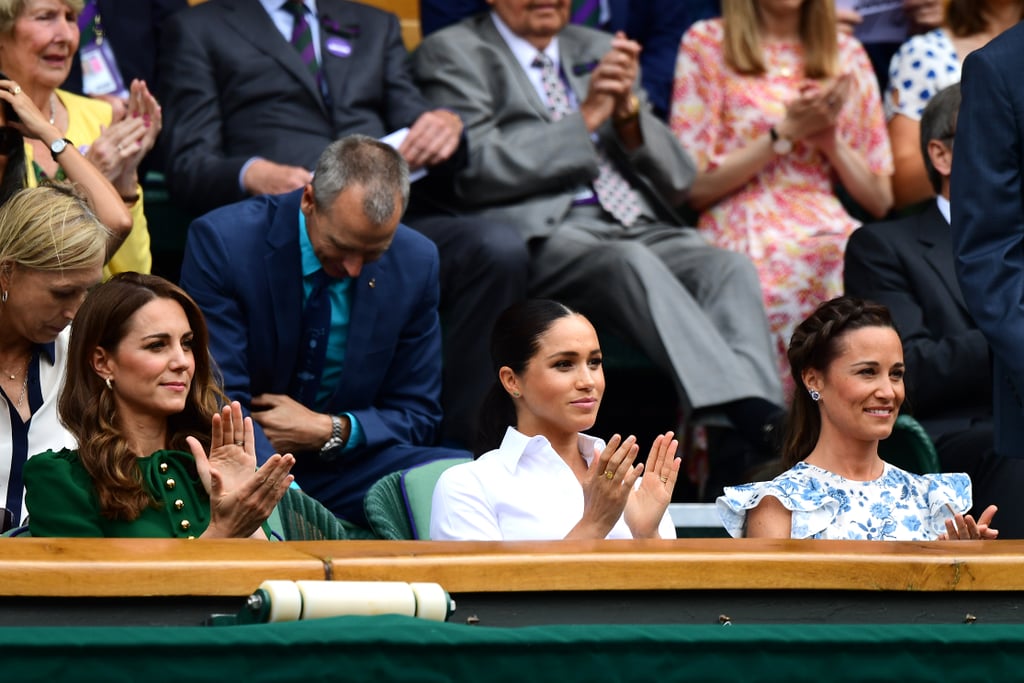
(816, 342)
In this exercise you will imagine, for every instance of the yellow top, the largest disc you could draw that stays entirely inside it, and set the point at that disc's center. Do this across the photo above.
(86, 116)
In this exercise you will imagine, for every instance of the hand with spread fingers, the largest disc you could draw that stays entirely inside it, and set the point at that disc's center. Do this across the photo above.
(964, 528)
(607, 484)
(647, 503)
(232, 448)
(241, 499)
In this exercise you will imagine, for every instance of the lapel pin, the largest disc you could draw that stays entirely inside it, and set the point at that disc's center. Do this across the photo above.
(373, 282)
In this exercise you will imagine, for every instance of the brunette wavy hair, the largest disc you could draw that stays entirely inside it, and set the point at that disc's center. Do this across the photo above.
(817, 342)
(87, 407)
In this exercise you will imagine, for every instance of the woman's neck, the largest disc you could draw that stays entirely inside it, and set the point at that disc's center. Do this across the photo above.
(783, 27)
(13, 346)
(850, 458)
(146, 435)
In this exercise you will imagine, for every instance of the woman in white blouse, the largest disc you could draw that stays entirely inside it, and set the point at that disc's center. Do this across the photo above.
(547, 480)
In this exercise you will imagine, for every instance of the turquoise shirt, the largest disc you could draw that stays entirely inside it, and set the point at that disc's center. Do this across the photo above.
(340, 294)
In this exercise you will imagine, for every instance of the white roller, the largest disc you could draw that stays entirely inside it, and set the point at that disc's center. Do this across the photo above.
(431, 601)
(285, 600)
(368, 598)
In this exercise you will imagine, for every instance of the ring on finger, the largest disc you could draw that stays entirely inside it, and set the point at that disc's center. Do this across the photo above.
(608, 474)
(239, 443)
(664, 480)
(16, 90)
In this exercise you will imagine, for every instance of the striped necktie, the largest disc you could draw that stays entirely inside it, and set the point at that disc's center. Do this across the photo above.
(585, 12)
(614, 192)
(302, 37)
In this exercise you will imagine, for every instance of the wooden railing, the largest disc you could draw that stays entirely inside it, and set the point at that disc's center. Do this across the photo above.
(154, 567)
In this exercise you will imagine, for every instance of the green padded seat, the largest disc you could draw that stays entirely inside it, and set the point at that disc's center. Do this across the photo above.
(909, 447)
(398, 505)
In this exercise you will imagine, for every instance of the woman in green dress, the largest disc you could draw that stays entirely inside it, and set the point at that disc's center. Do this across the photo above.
(156, 456)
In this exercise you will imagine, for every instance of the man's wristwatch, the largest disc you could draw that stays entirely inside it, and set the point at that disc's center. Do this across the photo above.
(58, 146)
(335, 443)
(780, 145)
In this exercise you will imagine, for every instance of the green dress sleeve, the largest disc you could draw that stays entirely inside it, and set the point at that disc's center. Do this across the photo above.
(60, 497)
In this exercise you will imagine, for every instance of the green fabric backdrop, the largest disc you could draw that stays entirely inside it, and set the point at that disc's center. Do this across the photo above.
(391, 648)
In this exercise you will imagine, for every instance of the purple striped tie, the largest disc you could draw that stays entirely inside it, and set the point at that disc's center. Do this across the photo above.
(302, 37)
(586, 12)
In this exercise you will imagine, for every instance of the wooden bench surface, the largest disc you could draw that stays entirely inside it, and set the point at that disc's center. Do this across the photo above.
(154, 567)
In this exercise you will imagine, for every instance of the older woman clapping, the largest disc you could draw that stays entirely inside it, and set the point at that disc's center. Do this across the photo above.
(38, 39)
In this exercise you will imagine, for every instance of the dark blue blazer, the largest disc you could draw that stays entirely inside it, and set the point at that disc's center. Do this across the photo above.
(242, 265)
(988, 219)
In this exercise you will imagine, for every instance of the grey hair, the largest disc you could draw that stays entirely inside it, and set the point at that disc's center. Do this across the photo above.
(358, 160)
(938, 122)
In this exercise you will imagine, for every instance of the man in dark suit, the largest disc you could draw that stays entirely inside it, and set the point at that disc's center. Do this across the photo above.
(563, 144)
(245, 114)
(370, 404)
(908, 266)
(987, 197)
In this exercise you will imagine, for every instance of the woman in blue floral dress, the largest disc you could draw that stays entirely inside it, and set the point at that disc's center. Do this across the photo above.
(848, 360)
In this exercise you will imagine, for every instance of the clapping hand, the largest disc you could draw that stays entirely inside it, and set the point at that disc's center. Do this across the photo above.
(607, 485)
(241, 499)
(964, 528)
(121, 146)
(647, 504)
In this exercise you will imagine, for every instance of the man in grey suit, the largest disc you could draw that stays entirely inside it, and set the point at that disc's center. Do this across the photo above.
(562, 143)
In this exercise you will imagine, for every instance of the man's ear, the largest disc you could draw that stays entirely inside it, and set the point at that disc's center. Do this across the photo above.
(941, 157)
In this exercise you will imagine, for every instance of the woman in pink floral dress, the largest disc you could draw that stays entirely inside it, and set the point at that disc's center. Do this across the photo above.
(778, 108)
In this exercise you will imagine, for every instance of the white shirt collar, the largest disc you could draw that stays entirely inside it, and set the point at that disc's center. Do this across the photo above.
(525, 52)
(943, 204)
(518, 446)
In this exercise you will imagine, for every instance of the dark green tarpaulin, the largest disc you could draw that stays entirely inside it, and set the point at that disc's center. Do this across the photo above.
(391, 648)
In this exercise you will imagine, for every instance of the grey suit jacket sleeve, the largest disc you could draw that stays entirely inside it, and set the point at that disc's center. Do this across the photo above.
(516, 150)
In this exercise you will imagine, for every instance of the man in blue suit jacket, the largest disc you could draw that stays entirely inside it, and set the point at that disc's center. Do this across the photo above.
(988, 237)
(251, 267)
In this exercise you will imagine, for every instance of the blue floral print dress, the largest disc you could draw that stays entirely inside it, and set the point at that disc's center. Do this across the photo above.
(898, 506)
